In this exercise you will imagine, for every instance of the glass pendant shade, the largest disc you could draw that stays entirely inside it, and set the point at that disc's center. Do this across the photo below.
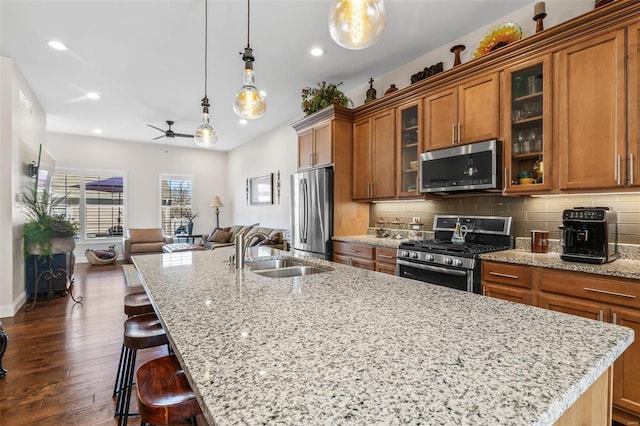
(205, 134)
(249, 102)
(356, 24)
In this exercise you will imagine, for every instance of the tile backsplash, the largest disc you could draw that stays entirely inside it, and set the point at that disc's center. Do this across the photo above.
(543, 213)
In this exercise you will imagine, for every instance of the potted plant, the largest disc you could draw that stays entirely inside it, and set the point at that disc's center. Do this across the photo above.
(190, 215)
(46, 233)
(321, 97)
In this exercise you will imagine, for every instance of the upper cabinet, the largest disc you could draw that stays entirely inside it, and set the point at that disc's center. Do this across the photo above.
(314, 146)
(409, 147)
(463, 114)
(374, 168)
(592, 112)
(633, 144)
(527, 127)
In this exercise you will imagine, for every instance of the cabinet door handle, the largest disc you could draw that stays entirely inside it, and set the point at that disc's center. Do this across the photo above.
(617, 168)
(600, 315)
(385, 256)
(350, 250)
(498, 274)
(311, 159)
(611, 293)
(631, 171)
(459, 131)
(504, 185)
(615, 318)
(453, 133)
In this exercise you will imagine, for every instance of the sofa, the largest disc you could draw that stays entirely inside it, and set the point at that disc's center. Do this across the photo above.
(144, 241)
(224, 237)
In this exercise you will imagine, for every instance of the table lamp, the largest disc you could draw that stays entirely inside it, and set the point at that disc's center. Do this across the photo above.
(217, 203)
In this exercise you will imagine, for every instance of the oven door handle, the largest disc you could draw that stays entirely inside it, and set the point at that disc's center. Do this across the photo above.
(433, 268)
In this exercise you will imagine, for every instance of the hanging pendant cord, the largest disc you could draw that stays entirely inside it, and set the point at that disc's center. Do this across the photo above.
(206, 32)
(248, 21)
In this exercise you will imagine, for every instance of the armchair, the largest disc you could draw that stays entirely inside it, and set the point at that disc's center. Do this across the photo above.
(144, 240)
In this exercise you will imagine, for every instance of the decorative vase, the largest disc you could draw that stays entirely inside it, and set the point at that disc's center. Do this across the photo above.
(391, 89)
(456, 50)
(190, 227)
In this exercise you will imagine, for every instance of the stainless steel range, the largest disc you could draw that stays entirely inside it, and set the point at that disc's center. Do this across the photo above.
(452, 258)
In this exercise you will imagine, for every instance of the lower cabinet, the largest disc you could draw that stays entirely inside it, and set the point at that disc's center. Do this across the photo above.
(601, 298)
(363, 256)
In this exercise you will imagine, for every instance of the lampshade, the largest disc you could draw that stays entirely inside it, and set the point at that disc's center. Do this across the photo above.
(357, 24)
(216, 202)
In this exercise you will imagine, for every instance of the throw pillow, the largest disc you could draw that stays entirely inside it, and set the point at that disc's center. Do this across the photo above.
(272, 240)
(209, 238)
(220, 236)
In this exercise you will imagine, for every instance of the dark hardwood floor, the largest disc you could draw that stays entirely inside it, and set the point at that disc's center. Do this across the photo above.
(62, 357)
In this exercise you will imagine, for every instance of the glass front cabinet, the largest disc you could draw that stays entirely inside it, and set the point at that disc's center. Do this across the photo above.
(527, 133)
(409, 140)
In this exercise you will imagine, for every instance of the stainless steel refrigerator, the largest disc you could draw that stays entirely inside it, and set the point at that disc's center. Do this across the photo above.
(312, 212)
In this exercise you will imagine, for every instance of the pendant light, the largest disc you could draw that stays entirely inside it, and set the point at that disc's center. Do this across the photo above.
(249, 102)
(205, 134)
(356, 24)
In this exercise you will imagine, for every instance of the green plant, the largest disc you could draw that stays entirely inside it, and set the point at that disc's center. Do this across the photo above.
(321, 97)
(42, 223)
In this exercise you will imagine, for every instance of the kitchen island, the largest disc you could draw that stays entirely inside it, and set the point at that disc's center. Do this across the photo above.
(351, 346)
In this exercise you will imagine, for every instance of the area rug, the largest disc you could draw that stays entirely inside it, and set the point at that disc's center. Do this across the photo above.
(131, 275)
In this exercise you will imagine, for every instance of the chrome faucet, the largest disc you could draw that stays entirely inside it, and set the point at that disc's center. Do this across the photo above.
(242, 244)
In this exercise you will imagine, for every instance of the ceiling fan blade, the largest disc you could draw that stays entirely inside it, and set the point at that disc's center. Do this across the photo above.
(157, 128)
(182, 135)
(159, 137)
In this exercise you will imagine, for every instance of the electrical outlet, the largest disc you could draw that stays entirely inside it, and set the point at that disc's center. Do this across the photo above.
(416, 220)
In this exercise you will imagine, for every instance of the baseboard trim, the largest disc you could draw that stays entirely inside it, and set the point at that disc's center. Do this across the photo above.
(12, 309)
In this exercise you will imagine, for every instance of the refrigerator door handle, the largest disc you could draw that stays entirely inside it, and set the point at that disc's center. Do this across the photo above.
(304, 210)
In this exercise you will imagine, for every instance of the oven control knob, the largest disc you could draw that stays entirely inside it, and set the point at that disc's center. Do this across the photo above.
(414, 255)
(458, 262)
(404, 254)
(448, 260)
(429, 258)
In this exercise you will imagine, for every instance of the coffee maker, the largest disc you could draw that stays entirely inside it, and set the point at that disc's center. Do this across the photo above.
(589, 235)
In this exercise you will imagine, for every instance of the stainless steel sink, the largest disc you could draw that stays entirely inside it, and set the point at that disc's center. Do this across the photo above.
(284, 268)
(273, 264)
(292, 271)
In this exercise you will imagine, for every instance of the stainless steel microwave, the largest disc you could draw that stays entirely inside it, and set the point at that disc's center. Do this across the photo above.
(469, 167)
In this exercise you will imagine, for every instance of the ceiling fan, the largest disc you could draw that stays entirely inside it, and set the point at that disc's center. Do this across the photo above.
(169, 133)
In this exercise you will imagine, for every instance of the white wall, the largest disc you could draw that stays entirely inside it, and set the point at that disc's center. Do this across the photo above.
(21, 133)
(142, 164)
(273, 151)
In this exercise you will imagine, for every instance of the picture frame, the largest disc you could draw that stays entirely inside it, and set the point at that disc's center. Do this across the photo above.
(261, 190)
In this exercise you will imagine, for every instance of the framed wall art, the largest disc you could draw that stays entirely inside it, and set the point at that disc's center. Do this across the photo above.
(261, 190)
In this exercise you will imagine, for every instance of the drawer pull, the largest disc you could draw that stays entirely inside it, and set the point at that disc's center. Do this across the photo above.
(615, 318)
(498, 274)
(350, 250)
(385, 256)
(600, 315)
(612, 293)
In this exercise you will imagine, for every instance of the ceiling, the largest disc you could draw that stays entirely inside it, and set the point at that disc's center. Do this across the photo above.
(146, 58)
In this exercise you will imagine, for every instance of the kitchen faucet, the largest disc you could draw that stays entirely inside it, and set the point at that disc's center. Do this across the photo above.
(241, 242)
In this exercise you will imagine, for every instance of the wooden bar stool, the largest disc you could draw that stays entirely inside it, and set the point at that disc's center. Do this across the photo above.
(164, 394)
(135, 303)
(140, 332)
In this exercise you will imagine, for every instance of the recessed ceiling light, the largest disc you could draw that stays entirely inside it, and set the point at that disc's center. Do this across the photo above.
(97, 131)
(316, 51)
(242, 122)
(93, 95)
(58, 45)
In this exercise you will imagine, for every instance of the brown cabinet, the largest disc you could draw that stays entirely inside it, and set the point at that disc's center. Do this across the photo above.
(315, 147)
(352, 254)
(527, 126)
(374, 157)
(386, 260)
(601, 298)
(462, 114)
(409, 146)
(507, 281)
(591, 88)
(633, 120)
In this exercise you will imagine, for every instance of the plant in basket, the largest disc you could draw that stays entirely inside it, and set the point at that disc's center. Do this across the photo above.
(315, 99)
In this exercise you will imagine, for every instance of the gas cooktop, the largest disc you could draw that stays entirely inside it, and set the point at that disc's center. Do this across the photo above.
(447, 247)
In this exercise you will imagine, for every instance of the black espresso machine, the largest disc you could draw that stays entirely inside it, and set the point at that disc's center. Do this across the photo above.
(589, 235)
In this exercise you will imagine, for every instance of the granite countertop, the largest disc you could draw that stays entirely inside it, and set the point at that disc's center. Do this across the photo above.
(352, 346)
(623, 268)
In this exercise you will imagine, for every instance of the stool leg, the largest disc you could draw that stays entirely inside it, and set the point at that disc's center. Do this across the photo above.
(118, 383)
(120, 392)
(125, 395)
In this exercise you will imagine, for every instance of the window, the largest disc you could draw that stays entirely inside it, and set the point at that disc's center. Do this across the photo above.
(94, 200)
(177, 199)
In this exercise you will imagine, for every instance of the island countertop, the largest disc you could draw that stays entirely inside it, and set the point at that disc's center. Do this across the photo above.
(352, 346)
